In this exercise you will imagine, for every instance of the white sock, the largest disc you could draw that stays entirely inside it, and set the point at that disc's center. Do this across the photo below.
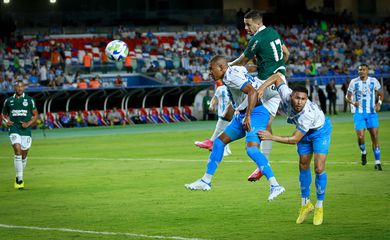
(221, 124)
(24, 161)
(273, 182)
(18, 167)
(227, 149)
(207, 178)
(266, 147)
(319, 203)
(377, 161)
(305, 201)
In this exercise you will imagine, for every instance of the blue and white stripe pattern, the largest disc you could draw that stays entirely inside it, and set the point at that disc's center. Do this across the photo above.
(364, 92)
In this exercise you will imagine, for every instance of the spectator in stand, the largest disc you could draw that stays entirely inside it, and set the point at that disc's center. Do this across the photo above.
(332, 96)
(87, 62)
(33, 78)
(115, 117)
(197, 78)
(104, 60)
(82, 84)
(43, 80)
(118, 81)
(129, 68)
(94, 82)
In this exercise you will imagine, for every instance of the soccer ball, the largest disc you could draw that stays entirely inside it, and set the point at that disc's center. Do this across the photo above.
(117, 50)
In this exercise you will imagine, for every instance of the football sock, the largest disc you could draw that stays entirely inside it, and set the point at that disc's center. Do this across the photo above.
(221, 124)
(24, 161)
(262, 163)
(305, 201)
(227, 149)
(321, 180)
(266, 147)
(215, 156)
(207, 178)
(377, 154)
(305, 182)
(319, 203)
(362, 148)
(18, 167)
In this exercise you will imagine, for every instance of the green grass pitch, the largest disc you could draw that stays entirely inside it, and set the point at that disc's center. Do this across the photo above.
(127, 183)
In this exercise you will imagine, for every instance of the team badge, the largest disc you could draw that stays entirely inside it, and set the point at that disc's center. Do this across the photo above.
(25, 103)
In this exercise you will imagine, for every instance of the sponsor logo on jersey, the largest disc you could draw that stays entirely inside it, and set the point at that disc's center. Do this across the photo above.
(19, 113)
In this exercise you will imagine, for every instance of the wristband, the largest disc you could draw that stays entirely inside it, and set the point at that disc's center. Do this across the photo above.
(380, 102)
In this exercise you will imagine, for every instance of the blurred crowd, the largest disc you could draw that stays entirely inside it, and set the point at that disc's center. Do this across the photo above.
(179, 58)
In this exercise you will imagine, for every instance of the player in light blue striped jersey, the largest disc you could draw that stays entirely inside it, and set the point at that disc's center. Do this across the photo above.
(365, 96)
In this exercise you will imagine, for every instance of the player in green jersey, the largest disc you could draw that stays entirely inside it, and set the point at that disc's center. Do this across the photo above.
(267, 48)
(19, 114)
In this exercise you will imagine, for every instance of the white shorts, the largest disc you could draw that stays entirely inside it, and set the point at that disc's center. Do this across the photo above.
(271, 99)
(24, 141)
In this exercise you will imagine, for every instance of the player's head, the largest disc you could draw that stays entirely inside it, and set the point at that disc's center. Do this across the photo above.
(363, 71)
(19, 87)
(217, 67)
(253, 21)
(299, 98)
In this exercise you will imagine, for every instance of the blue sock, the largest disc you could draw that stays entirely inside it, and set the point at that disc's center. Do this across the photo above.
(215, 156)
(305, 181)
(377, 154)
(321, 180)
(363, 148)
(260, 160)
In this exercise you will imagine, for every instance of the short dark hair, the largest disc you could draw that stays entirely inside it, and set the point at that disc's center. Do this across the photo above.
(216, 58)
(254, 15)
(363, 65)
(17, 82)
(300, 89)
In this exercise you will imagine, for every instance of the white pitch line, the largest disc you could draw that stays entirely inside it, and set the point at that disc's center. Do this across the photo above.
(96, 232)
(174, 160)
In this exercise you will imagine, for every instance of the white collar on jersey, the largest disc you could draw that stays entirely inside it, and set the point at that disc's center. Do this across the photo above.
(261, 28)
(21, 96)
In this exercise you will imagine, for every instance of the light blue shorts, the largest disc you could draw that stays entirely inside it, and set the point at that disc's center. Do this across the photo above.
(316, 141)
(365, 120)
(259, 120)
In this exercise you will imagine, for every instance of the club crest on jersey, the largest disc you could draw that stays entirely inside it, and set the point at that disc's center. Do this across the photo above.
(25, 103)
(254, 45)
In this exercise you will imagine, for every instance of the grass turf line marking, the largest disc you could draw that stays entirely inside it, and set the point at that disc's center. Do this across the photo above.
(95, 232)
(171, 160)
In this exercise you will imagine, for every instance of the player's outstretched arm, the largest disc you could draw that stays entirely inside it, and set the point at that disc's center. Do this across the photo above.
(294, 139)
(240, 61)
(274, 79)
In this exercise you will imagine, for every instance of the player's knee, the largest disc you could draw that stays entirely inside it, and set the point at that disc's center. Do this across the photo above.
(304, 165)
(319, 169)
(252, 151)
(218, 143)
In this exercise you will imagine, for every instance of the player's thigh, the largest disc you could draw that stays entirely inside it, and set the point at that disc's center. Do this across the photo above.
(359, 121)
(305, 146)
(319, 162)
(321, 144)
(259, 121)
(16, 142)
(26, 142)
(234, 130)
(372, 121)
(269, 125)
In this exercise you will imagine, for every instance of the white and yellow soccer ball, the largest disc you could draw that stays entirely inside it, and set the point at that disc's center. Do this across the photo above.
(117, 50)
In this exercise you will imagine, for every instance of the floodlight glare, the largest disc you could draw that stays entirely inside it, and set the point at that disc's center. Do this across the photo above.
(5, 1)
(53, 1)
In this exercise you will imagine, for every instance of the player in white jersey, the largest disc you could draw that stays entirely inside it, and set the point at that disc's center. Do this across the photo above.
(252, 116)
(362, 94)
(311, 136)
(221, 101)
